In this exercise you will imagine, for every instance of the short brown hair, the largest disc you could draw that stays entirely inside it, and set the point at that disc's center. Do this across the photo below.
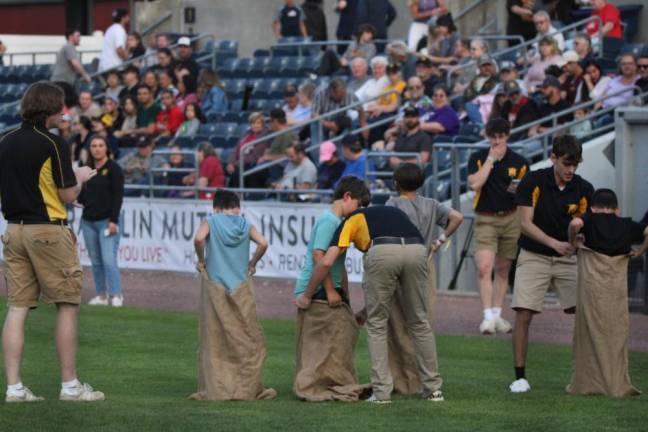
(41, 100)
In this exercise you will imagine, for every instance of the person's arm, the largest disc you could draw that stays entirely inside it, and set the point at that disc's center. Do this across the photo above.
(322, 268)
(530, 229)
(607, 28)
(122, 53)
(262, 247)
(480, 172)
(332, 295)
(644, 246)
(117, 187)
(78, 67)
(575, 226)
(69, 194)
(276, 28)
(302, 28)
(199, 243)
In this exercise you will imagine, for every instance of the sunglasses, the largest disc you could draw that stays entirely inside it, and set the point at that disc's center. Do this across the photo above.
(643, 66)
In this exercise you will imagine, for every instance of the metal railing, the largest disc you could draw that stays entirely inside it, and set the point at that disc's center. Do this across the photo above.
(34, 54)
(388, 154)
(164, 18)
(308, 45)
(465, 11)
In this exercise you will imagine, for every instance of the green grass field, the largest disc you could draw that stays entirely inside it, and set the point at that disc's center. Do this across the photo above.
(145, 363)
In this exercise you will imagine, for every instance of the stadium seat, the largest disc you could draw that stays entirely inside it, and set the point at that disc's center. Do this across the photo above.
(465, 139)
(258, 67)
(214, 117)
(258, 105)
(261, 53)
(209, 128)
(470, 130)
(230, 117)
(184, 142)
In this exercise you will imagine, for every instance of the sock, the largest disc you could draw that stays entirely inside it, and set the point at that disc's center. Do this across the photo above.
(70, 385)
(488, 314)
(520, 373)
(15, 388)
(497, 312)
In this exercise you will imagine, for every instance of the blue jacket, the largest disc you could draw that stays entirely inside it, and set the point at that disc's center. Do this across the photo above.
(215, 101)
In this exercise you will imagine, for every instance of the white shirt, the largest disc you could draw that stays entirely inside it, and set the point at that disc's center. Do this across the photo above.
(558, 37)
(371, 89)
(114, 38)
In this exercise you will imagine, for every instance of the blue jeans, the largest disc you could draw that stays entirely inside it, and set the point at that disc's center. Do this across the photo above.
(103, 256)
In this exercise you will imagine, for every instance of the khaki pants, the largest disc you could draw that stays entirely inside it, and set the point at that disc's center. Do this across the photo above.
(41, 260)
(399, 270)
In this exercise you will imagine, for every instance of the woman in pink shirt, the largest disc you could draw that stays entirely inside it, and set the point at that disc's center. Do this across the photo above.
(549, 55)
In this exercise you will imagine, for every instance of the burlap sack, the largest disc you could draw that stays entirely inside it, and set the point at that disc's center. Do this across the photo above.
(325, 353)
(601, 331)
(402, 360)
(232, 346)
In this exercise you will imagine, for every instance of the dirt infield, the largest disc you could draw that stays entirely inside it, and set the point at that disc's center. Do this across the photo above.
(456, 314)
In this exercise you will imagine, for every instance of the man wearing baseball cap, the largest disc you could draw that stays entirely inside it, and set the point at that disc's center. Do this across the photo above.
(429, 73)
(572, 84)
(508, 72)
(485, 81)
(185, 63)
(411, 139)
(330, 166)
(114, 51)
(553, 104)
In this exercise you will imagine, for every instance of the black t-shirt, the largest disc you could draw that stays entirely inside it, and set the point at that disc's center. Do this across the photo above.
(553, 208)
(416, 143)
(189, 64)
(328, 175)
(103, 194)
(611, 235)
(547, 109)
(290, 18)
(34, 165)
(493, 196)
(516, 25)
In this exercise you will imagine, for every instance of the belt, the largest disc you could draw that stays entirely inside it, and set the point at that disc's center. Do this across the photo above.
(61, 222)
(397, 240)
(496, 214)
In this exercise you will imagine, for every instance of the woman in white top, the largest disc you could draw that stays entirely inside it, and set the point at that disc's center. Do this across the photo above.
(549, 55)
(595, 81)
(375, 86)
(422, 11)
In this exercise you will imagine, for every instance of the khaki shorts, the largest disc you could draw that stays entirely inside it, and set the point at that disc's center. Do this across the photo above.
(41, 260)
(536, 273)
(499, 234)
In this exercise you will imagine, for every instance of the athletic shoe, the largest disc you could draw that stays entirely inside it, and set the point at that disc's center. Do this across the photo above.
(487, 327)
(117, 301)
(81, 393)
(436, 396)
(502, 326)
(373, 399)
(98, 301)
(24, 395)
(520, 386)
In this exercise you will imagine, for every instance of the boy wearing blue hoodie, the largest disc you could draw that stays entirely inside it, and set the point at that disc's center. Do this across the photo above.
(232, 346)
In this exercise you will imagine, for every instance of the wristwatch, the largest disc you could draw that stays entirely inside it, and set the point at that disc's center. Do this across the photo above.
(492, 159)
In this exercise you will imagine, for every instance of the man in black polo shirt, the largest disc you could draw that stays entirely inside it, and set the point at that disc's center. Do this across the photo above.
(290, 21)
(186, 63)
(494, 173)
(554, 103)
(41, 260)
(395, 264)
(547, 201)
(411, 140)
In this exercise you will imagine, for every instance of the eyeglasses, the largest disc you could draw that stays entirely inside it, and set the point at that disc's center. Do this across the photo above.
(642, 66)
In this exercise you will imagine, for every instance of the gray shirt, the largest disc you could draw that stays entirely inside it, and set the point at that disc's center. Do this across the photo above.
(424, 213)
(63, 70)
(306, 172)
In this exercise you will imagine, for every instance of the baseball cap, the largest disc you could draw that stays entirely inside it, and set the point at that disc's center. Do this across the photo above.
(484, 59)
(184, 41)
(119, 13)
(424, 61)
(290, 90)
(143, 141)
(411, 111)
(326, 151)
(277, 114)
(506, 65)
(510, 88)
(570, 56)
(551, 81)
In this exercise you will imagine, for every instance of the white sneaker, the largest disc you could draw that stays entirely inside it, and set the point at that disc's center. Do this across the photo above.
(487, 327)
(98, 301)
(502, 326)
(117, 301)
(24, 395)
(81, 393)
(436, 396)
(520, 386)
(373, 399)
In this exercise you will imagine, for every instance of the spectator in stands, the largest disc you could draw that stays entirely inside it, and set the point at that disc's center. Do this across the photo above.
(170, 118)
(187, 91)
(411, 139)
(642, 68)
(114, 87)
(611, 18)
(101, 127)
(193, 118)
(520, 18)
(64, 129)
(595, 81)
(101, 198)
(462, 51)
(87, 107)
(213, 98)
(423, 11)
(379, 13)
(429, 74)
(178, 161)
(331, 98)
(131, 81)
(584, 128)
(280, 143)
(544, 28)
(398, 53)
(354, 157)
(415, 97)
(112, 114)
(573, 88)
(300, 172)
(291, 103)
(508, 72)
(315, 20)
(210, 171)
(444, 120)
(583, 47)
(388, 104)
(251, 155)
(135, 46)
(299, 103)
(463, 76)
(484, 82)
(129, 123)
(167, 81)
(330, 168)
(3, 49)
(375, 86)
(554, 103)
(151, 80)
(289, 21)
(186, 63)
(549, 54)
(68, 65)
(511, 104)
(441, 42)
(359, 77)
(147, 112)
(347, 24)
(166, 61)
(137, 166)
(114, 49)
(362, 47)
(81, 140)
(624, 81)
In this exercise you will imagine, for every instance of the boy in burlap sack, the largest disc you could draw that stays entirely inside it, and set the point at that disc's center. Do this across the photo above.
(232, 347)
(327, 332)
(425, 214)
(600, 354)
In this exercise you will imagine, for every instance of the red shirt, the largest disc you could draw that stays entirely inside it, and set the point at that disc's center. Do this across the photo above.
(212, 169)
(169, 120)
(608, 13)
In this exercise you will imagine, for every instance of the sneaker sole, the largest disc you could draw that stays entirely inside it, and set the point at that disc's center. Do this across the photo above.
(72, 399)
(16, 400)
